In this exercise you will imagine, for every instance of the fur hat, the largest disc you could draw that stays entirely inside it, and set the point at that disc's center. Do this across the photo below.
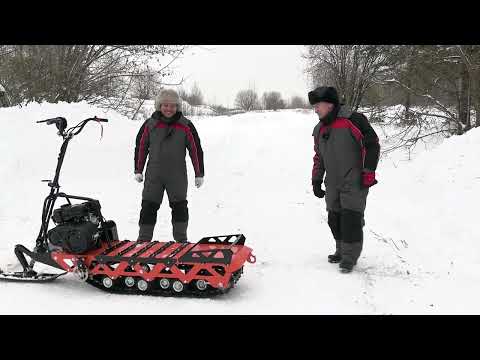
(167, 96)
(323, 93)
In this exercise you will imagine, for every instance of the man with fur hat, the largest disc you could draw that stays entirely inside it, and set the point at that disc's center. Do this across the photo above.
(164, 138)
(346, 152)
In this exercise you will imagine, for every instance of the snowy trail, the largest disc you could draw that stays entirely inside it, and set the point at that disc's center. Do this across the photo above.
(257, 182)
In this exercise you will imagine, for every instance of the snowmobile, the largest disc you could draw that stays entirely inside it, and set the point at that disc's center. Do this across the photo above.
(83, 242)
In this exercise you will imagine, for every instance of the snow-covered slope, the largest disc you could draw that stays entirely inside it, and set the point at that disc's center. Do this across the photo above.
(421, 253)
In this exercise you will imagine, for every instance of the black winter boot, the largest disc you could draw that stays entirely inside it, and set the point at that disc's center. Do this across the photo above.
(350, 255)
(334, 223)
(346, 266)
(337, 256)
(351, 224)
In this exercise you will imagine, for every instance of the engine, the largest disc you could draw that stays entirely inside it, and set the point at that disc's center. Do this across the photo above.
(80, 228)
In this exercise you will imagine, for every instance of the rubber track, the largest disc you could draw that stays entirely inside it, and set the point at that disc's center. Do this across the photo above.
(188, 291)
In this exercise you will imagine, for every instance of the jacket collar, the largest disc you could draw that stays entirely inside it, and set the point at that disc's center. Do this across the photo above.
(339, 111)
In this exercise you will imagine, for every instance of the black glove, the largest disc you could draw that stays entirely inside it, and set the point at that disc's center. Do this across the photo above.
(317, 189)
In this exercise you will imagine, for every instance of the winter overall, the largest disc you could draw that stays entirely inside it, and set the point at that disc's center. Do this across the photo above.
(165, 141)
(341, 154)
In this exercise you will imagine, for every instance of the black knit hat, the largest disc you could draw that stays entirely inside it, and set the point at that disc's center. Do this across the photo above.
(323, 93)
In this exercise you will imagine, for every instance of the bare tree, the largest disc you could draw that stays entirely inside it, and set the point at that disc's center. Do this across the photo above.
(247, 100)
(144, 88)
(182, 93)
(196, 96)
(470, 57)
(4, 100)
(5, 50)
(352, 69)
(297, 102)
(220, 109)
(409, 135)
(272, 100)
(443, 81)
(72, 73)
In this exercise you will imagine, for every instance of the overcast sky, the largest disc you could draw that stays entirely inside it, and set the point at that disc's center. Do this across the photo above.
(222, 70)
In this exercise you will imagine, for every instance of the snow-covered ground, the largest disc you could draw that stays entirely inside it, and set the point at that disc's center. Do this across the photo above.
(421, 250)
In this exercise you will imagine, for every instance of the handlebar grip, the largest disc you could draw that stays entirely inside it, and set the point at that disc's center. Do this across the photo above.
(49, 121)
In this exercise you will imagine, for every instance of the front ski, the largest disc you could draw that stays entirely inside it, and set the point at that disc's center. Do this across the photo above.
(28, 276)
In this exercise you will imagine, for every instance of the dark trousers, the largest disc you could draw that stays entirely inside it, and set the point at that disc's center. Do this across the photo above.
(148, 219)
(347, 229)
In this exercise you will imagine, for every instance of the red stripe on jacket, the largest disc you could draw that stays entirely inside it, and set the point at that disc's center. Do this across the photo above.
(344, 123)
(141, 150)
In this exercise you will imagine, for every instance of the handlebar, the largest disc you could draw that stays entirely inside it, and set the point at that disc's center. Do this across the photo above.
(61, 124)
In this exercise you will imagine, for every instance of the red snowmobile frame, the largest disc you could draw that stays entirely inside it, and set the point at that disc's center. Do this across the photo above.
(211, 266)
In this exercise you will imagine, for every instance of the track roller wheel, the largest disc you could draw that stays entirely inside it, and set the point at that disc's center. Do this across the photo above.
(107, 282)
(177, 286)
(164, 283)
(129, 281)
(201, 285)
(142, 285)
